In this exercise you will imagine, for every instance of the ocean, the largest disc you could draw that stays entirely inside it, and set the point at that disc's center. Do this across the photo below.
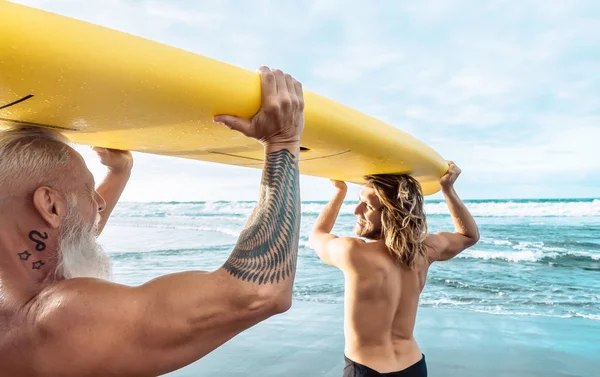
(534, 258)
(524, 301)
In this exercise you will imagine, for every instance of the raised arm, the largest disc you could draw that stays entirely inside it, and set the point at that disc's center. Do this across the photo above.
(119, 164)
(176, 319)
(446, 245)
(330, 248)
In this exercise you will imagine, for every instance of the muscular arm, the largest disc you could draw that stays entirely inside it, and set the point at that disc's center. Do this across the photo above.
(267, 249)
(82, 327)
(176, 319)
(321, 232)
(447, 245)
(111, 189)
(328, 216)
(330, 248)
(119, 164)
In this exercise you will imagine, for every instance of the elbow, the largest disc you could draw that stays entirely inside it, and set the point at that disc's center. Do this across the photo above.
(281, 301)
(270, 301)
(282, 304)
(312, 240)
(474, 239)
(315, 242)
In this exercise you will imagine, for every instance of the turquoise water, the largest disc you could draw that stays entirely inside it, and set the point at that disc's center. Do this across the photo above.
(535, 257)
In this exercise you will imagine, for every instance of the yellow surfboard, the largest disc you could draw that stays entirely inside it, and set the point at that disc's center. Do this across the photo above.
(107, 88)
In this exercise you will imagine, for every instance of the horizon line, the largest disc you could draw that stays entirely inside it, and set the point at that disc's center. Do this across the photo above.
(327, 200)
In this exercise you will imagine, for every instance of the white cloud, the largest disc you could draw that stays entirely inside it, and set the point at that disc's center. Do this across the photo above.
(508, 90)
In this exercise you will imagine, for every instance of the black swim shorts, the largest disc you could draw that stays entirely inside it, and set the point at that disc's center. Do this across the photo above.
(354, 369)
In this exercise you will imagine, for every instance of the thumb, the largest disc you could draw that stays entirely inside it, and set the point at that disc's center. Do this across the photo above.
(234, 123)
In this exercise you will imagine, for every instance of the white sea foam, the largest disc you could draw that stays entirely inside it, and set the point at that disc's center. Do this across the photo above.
(511, 256)
(584, 208)
(223, 230)
(524, 209)
(525, 255)
(595, 317)
(503, 311)
(494, 209)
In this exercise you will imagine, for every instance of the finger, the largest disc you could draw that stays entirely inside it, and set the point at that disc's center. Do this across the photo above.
(268, 86)
(289, 84)
(299, 94)
(234, 123)
(280, 81)
(116, 150)
(101, 152)
(282, 93)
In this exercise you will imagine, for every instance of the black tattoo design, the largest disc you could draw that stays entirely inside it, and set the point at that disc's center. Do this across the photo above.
(37, 265)
(40, 245)
(267, 249)
(24, 255)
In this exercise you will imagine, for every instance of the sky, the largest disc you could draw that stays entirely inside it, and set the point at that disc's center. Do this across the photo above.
(509, 91)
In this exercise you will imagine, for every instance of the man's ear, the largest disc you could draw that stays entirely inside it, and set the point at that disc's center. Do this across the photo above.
(50, 205)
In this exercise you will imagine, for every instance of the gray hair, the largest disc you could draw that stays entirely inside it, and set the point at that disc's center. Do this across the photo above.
(31, 157)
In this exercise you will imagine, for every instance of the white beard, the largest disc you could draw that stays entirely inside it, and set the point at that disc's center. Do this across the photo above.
(79, 254)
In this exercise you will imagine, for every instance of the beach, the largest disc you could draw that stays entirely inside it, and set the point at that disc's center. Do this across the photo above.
(524, 301)
(308, 341)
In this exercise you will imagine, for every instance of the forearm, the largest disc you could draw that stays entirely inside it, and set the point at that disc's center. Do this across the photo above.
(205, 310)
(267, 248)
(111, 189)
(464, 223)
(328, 216)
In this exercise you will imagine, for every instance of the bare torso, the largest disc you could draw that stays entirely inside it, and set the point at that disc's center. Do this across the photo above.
(381, 302)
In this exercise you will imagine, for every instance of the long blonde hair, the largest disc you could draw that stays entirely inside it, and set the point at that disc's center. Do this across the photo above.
(404, 227)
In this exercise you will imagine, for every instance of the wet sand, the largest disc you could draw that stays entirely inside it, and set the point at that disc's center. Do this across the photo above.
(308, 341)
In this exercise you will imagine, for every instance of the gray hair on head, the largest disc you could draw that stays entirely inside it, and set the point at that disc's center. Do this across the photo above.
(31, 157)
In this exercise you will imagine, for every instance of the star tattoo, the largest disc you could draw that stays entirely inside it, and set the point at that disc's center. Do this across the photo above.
(37, 265)
(24, 255)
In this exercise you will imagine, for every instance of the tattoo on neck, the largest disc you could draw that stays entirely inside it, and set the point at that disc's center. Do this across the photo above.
(40, 245)
(267, 248)
(24, 255)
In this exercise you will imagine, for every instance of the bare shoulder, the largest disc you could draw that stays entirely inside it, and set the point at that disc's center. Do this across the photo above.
(347, 244)
(67, 296)
(433, 244)
(89, 327)
(79, 314)
(67, 299)
(361, 256)
(341, 252)
(433, 240)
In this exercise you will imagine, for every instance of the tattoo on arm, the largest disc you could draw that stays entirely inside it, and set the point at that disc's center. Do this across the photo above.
(267, 249)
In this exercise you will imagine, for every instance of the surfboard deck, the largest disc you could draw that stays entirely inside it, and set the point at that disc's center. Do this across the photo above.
(107, 88)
